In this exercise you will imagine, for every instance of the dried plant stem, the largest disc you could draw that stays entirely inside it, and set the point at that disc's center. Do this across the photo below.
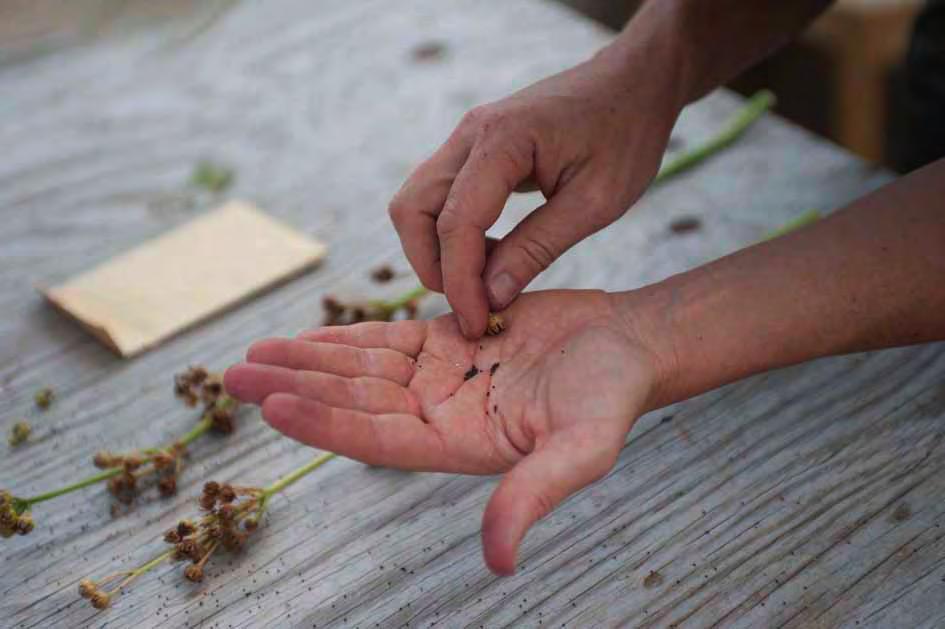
(137, 572)
(740, 122)
(295, 475)
(200, 428)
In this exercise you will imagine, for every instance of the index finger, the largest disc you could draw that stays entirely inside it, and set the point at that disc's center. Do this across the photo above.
(492, 172)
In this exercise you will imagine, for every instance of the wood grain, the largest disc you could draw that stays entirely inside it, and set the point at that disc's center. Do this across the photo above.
(808, 497)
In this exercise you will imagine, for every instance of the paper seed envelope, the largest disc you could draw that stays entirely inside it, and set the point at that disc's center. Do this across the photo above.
(146, 295)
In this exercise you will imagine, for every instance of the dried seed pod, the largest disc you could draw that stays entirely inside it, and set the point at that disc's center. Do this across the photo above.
(132, 462)
(495, 325)
(194, 573)
(100, 599)
(172, 536)
(211, 488)
(185, 528)
(163, 460)
(250, 524)
(19, 433)
(227, 493)
(87, 588)
(167, 486)
(104, 460)
(44, 398)
(24, 524)
(208, 502)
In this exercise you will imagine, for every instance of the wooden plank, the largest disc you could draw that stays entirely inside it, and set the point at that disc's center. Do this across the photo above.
(807, 497)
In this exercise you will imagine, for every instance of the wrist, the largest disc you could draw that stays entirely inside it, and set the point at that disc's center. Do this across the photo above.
(648, 318)
(655, 46)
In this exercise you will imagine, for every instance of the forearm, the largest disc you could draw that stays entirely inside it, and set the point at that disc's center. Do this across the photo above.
(701, 44)
(868, 277)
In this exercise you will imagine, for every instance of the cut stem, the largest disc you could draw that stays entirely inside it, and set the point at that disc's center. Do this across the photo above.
(396, 304)
(199, 429)
(295, 475)
(758, 104)
(137, 572)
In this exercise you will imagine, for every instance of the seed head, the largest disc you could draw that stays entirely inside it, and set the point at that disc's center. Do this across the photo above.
(133, 462)
(24, 524)
(19, 433)
(100, 599)
(194, 573)
(44, 398)
(104, 460)
(211, 488)
(163, 460)
(207, 502)
(172, 536)
(87, 588)
(227, 493)
(495, 325)
(250, 524)
(168, 486)
(185, 528)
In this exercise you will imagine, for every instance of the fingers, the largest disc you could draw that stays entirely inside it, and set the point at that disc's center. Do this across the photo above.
(537, 241)
(390, 440)
(406, 337)
(341, 360)
(534, 487)
(415, 208)
(494, 168)
(253, 383)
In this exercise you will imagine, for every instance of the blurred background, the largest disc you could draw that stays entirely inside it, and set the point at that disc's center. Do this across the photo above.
(844, 79)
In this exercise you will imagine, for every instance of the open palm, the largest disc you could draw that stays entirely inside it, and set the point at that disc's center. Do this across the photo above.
(549, 401)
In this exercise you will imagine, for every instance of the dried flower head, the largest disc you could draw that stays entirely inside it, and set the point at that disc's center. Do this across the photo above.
(19, 433)
(338, 312)
(495, 324)
(44, 398)
(100, 599)
(104, 460)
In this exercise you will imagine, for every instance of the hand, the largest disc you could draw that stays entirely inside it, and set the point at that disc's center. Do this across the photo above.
(590, 139)
(549, 401)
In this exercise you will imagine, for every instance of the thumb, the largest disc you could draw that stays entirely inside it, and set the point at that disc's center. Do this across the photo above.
(537, 241)
(535, 486)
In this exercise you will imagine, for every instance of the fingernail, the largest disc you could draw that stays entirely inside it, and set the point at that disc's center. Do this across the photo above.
(502, 289)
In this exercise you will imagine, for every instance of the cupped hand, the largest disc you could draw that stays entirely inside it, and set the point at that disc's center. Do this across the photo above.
(590, 139)
(549, 402)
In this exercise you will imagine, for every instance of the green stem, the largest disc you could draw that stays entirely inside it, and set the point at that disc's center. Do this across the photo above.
(91, 480)
(295, 475)
(199, 429)
(810, 216)
(398, 303)
(743, 118)
(137, 572)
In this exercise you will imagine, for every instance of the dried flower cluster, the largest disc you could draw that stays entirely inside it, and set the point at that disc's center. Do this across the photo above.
(338, 312)
(199, 385)
(19, 433)
(12, 517)
(231, 513)
(126, 473)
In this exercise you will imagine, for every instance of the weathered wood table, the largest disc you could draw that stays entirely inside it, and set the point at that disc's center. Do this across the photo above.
(809, 497)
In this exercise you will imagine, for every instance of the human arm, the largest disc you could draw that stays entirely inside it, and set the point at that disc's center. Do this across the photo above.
(591, 139)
